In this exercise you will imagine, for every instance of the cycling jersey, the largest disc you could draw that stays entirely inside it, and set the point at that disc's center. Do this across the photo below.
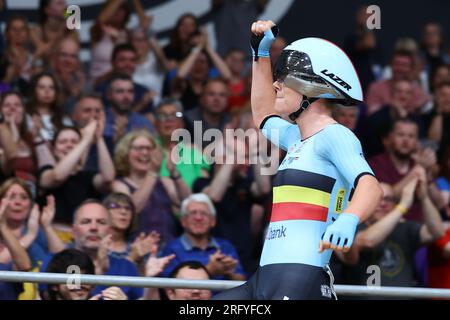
(313, 185)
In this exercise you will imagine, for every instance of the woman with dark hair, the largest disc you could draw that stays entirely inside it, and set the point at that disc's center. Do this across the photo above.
(50, 30)
(179, 46)
(44, 105)
(15, 140)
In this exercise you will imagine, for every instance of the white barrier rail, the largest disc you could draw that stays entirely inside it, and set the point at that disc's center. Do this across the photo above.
(217, 285)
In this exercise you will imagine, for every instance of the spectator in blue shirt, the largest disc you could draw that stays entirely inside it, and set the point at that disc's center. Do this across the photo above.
(198, 217)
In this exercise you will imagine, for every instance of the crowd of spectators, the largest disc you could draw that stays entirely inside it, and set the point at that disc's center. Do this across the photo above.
(87, 169)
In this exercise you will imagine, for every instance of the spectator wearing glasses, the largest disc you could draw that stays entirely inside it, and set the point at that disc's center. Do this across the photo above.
(123, 224)
(198, 217)
(138, 160)
(192, 164)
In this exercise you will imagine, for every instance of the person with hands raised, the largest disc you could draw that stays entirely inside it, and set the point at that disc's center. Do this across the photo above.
(324, 187)
(23, 219)
(236, 184)
(20, 261)
(66, 180)
(387, 235)
(196, 69)
(55, 244)
(16, 140)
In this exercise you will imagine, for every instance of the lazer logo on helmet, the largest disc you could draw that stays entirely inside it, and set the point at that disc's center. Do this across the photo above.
(336, 79)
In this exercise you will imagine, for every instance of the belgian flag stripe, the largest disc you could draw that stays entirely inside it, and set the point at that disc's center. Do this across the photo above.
(298, 211)
(306, 179)
(300, 194)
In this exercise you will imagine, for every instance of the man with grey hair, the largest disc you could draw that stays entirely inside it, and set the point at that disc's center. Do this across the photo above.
(198, 217)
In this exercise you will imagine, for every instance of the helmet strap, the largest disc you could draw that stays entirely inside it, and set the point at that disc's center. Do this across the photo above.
(306, 102)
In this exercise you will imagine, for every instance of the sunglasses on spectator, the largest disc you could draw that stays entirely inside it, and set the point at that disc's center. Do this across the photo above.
(119, 206)
(168, 117)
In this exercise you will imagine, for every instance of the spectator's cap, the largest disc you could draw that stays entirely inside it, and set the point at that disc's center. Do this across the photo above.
(198, 197)
(318, 68)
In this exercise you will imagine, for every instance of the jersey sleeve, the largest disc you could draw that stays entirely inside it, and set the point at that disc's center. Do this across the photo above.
(279, 131)
(340, 146)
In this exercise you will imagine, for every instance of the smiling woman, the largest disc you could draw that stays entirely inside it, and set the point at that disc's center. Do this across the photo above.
(138, 160)
(24, 221)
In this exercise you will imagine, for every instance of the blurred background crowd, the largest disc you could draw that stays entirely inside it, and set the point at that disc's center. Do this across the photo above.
(87, 180)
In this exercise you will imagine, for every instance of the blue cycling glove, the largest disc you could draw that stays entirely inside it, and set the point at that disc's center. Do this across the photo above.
(342, 232)
(261, 44)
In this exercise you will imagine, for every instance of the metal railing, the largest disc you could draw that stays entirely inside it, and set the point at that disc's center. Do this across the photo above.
(216, 285)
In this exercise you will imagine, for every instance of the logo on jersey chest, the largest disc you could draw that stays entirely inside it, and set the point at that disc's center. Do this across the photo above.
(294, 153)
